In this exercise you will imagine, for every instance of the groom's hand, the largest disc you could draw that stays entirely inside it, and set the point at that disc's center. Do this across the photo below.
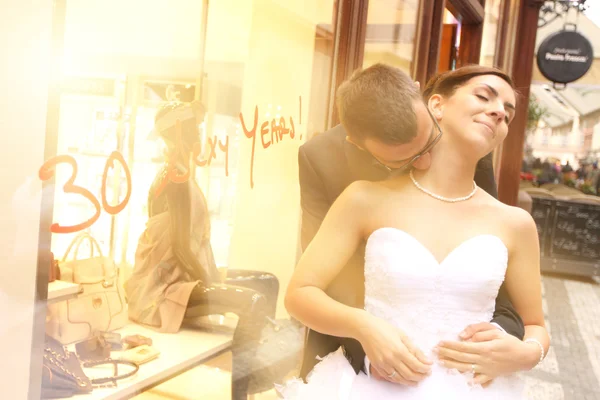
(476, 332)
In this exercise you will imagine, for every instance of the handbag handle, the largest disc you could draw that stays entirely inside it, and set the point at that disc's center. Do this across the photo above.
(113, 379)
(77, 242)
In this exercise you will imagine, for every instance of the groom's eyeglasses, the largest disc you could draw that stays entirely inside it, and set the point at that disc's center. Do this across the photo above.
(434, 138)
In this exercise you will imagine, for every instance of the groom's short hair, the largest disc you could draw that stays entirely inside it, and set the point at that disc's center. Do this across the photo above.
(378, 103)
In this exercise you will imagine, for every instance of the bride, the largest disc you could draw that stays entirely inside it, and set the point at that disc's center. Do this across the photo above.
(437, 251)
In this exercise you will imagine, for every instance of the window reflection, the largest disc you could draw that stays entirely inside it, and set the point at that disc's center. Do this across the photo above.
(124, 59)
(391, 31)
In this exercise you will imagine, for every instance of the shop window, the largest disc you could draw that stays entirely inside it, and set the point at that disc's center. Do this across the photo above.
(265, 62)
(391, 32)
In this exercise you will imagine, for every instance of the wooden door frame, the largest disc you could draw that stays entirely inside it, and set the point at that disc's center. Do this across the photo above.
(429, 33)
(472, 16)
(522, 71)
(469, 11)
(427, 40)
(350, 31)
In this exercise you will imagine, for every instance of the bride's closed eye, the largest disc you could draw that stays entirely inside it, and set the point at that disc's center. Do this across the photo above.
(485, 99)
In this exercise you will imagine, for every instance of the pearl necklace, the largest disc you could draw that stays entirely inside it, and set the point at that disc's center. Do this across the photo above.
(442, 198)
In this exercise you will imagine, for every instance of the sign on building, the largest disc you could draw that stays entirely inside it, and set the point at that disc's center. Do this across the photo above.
(565, 56)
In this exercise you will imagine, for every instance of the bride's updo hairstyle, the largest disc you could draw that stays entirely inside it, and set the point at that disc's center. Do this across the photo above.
(447, 82)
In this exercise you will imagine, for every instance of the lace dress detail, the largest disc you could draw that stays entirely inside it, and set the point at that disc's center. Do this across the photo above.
(430, 301)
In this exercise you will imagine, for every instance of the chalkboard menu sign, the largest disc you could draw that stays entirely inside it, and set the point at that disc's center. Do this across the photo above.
(576, 232)
(541, 211)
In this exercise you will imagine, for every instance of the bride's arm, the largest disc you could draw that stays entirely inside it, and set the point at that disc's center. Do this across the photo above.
(523, 281)
(343, 229)
(336, 241)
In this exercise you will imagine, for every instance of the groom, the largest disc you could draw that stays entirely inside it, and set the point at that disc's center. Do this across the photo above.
(393, 139)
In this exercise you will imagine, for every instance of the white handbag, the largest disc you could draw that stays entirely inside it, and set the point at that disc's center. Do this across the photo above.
(100, 305)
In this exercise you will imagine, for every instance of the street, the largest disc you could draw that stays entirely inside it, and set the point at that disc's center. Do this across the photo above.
(571, 371)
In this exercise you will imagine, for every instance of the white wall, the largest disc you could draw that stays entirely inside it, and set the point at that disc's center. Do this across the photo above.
(25, 27)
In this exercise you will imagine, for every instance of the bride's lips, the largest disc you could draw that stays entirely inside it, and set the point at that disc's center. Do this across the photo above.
(489, 126)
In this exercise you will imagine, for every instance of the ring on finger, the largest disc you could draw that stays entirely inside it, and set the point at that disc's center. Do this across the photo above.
(473, 369)
(392, 375)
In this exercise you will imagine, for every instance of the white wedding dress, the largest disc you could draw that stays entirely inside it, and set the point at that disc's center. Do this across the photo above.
(429, 301)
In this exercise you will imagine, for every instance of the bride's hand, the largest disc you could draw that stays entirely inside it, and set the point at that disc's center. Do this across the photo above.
(392, 354)
(490, 353)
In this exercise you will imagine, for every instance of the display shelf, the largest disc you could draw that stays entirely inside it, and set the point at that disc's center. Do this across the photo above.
(179, 352)
(61, 290)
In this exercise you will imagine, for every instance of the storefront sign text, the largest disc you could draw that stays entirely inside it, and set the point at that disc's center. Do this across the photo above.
(271, 132)
(277, 130)
(47, 171)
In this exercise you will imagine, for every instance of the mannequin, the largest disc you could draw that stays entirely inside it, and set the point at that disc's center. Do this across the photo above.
(174, 259)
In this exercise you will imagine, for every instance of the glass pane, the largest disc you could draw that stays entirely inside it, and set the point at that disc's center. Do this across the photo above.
(275, 63)
(391, 32)
(137, 62)
(90, 128)
(490, 29)
(123, 60)
(261, 70)
(450, 42)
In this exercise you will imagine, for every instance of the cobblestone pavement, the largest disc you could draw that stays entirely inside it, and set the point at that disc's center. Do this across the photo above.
(571, 371)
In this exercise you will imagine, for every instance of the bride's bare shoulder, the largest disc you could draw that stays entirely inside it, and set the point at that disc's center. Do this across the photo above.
(507, 212)
(360, 190)
(517, 220)
(364, 193)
